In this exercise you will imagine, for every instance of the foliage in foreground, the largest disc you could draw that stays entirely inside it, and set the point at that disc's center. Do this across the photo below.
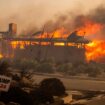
(92, 69)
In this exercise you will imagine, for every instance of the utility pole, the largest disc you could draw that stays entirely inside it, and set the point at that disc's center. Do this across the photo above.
(39, 46)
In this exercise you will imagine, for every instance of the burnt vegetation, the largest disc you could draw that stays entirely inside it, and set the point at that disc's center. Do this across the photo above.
(29, 67)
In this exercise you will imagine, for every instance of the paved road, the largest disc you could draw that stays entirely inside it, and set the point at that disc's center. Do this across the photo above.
(73, 83)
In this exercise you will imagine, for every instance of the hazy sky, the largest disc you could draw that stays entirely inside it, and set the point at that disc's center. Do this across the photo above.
(31, 13)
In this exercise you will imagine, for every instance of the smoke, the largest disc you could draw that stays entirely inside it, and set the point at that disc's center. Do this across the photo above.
(95, 16)
(27, 14)
(98, 15)
(73, 21)
(32, 15)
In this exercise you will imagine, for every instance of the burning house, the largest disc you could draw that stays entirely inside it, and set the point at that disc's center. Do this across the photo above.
(59, 45)
(70, 48)
(64, 37)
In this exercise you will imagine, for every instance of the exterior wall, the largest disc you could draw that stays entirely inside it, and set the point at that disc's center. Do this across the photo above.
(58, 53)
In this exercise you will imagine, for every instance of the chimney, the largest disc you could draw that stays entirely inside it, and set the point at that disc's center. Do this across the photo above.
(12, 29)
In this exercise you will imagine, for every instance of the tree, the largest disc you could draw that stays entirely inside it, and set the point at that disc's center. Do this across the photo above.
(46, 68)
(64, 67)
(93, 72)
(93, 69)
(24, 64)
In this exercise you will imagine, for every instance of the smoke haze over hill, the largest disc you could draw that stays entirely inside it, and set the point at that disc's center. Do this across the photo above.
(36, 13)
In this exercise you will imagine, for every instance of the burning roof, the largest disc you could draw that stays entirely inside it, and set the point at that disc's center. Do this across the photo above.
(75, 38)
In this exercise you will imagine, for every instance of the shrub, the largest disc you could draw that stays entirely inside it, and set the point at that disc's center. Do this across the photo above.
(46, 68)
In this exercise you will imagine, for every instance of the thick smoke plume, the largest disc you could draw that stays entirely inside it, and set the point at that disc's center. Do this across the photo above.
(26, 16)
(72, 22)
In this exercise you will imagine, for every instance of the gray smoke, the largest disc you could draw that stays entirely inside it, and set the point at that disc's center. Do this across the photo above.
(73, 21)
(32, 15)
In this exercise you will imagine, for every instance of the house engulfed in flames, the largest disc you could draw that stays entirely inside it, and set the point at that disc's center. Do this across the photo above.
(43, 46)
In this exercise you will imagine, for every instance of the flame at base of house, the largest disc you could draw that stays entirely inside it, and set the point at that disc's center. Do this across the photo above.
(79, 39)
(33, 50)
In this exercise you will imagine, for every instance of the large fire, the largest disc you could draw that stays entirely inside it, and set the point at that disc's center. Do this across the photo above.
(90, 28)
(58, 33)
(94, 50)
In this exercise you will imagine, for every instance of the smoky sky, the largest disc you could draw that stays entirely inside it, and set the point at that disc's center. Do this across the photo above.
(31, 15)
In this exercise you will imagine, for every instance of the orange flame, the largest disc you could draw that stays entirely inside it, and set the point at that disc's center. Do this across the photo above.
(1, 56)
(59, 33)
(19, 44)
(89, 29)
(94, 51)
